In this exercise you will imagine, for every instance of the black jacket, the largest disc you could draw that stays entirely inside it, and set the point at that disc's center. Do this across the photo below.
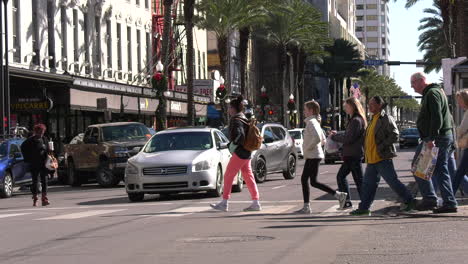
(353, 138)
(238, 128)
(35, 151)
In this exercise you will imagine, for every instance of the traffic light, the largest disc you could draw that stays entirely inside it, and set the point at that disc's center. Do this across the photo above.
(270, 112)
(5, 122)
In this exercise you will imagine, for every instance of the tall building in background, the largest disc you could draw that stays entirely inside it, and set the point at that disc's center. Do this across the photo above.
(372, 29)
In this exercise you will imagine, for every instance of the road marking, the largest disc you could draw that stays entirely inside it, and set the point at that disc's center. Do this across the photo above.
(278, 187)
(323, 172)
(183, 211)
(12, 215)
(333, 211)
(269, 210)
(81, 214)
(86, 207)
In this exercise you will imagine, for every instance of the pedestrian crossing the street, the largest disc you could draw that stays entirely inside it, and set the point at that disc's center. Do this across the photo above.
(92, 212)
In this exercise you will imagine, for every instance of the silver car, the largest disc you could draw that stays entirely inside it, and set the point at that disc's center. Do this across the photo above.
(180, 160)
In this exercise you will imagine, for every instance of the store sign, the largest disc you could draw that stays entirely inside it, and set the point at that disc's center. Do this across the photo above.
(112, 87)
(176, 106)
(200, 87)
(32, 104)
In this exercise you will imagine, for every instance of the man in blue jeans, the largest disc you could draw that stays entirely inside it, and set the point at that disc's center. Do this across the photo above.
(381, 134)
(435, 127)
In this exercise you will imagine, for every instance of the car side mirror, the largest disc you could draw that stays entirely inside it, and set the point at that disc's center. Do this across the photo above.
(222, 145)
(268, 140)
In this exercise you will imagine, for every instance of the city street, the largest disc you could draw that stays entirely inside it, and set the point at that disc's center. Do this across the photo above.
(95, 225)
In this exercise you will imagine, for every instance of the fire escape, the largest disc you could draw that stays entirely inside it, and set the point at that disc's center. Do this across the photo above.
(177, 33)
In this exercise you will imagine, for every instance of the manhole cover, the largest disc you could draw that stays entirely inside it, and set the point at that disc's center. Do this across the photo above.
(226, 239)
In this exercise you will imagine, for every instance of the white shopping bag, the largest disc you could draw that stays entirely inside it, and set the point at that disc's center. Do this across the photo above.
(331, 146)
(424, 165)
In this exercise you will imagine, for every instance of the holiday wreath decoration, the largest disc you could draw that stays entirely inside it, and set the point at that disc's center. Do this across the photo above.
(159, 83)
(221, 92)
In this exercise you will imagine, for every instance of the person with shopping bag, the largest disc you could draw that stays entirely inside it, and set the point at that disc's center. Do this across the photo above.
(435, 127)
(35, 151)
(381, 135)
(462, 140)
(314, 139)
(353, 148)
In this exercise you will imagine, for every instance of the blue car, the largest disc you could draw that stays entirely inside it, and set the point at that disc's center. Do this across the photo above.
(13, 169)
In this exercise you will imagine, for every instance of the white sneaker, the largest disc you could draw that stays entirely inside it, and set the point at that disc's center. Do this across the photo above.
(304, 210)
(220, 206)
(253, 208)
(341, 196)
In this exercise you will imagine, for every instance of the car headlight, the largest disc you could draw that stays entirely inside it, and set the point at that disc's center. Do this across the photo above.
(202, 165)
(131, 169)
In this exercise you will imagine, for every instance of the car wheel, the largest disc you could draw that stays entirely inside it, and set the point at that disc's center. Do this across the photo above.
(7, 190)
(240, 184)
(260, 172)
(136, 197)
(290, 171)
(218, 191)
(73, 175)
(105, 177)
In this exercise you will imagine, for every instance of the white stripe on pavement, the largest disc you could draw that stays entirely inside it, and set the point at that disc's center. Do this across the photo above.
(12, 215)
(333, 211)
(183, 211)
(81, 214)
(278, 187)
(270, 210)
(323, 172)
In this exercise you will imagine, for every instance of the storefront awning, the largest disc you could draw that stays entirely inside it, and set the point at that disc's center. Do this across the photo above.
(40, 75)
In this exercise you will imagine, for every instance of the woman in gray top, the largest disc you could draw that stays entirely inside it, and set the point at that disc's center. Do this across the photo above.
(353, 148)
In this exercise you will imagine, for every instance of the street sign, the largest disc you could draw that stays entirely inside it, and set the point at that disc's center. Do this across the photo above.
(374, 62)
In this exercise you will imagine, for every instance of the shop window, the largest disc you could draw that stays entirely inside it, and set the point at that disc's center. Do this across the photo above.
(371, 17)
(76, 56)
(359, 18)
(119, 51)
(359, 7)
(109, 47)
(86, 41)
(64, 27)
(138, 43)
(148, 50)
(129, 50)
(97, 56)
(371, 6)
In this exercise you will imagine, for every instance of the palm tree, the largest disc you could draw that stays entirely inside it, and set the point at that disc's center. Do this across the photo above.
(189, 6)
(447, 12)
(344, 62)
(294, 27)
(432, 39)
(223, 17)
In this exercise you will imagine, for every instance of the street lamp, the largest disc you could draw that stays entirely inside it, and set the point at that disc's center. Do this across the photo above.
(159, 67)
(292, 111)
(263, 101)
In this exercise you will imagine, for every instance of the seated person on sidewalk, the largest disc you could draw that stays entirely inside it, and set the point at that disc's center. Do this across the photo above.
(381, 134)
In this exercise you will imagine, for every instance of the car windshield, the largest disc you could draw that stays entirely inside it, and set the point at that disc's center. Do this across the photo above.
(410, 131)
(3, 149)
(179, 141)
(125, 132)
(295, 134)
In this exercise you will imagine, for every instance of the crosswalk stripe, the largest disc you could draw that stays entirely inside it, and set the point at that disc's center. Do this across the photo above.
(81, 214)
(12, 215)
(333, 211)
(270, 210)
(183, 211)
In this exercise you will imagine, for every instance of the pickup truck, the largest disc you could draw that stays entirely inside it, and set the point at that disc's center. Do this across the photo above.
(103, 152)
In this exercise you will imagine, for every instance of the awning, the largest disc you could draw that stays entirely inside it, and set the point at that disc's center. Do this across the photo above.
(40, 75)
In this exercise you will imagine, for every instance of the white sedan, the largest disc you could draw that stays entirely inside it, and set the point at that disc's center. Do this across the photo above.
(180, 160)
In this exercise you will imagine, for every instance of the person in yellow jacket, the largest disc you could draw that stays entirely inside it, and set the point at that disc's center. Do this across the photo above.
(381, 135)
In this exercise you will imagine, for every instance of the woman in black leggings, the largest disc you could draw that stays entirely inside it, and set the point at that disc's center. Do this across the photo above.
(313, 153)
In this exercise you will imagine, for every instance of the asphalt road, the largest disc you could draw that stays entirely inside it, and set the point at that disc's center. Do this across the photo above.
(94, 225)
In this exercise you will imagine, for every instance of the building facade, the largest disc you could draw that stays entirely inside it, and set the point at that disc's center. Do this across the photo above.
(74, 63)
(373, 30)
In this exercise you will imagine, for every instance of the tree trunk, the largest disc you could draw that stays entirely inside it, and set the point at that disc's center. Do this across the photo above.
(161, 111)
(244, 35)
(224, 59)
(284, 91)
(189, 6)
(300, 73)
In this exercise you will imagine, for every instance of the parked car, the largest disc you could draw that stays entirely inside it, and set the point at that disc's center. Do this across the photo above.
(298, 136)
(409, 137)
(13, 170)
(332, 157)
(180, 160)
(277, 153)
(103, 152)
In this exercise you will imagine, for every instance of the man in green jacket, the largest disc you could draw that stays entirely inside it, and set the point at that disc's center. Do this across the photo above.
(435, 127)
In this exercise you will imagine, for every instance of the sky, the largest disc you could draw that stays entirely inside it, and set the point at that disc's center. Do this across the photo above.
(404, 37)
